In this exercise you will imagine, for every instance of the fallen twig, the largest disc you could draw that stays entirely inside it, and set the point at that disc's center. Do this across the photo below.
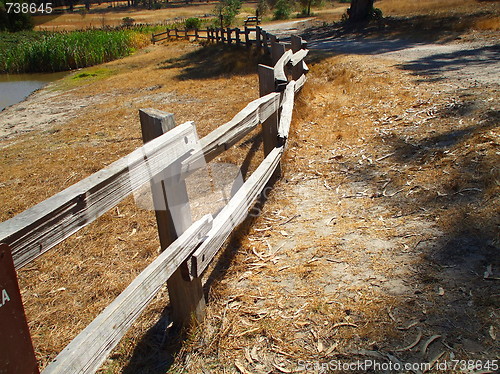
(429, 342)
(408, 347)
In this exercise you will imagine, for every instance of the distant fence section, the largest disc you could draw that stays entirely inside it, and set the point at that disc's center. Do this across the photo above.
(170, 154)
(247, 36)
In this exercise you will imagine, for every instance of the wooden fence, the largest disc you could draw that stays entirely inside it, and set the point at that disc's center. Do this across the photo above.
(174, 153)
(247, 36)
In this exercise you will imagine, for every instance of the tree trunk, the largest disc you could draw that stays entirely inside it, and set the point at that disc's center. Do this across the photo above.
(360, 10)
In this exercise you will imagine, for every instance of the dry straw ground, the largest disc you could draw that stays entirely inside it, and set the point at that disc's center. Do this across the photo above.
(101, 15)
(380, 241)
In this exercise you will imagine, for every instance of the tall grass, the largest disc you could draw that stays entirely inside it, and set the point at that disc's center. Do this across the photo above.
(51, 52)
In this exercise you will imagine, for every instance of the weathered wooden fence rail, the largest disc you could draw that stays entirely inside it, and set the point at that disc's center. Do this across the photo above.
(170, 154)
(247, 36)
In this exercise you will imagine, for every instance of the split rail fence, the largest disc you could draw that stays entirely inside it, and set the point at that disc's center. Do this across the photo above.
(171, 152)
(247, 36)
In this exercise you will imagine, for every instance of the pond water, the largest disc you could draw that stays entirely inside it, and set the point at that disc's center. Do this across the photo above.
(14, 88)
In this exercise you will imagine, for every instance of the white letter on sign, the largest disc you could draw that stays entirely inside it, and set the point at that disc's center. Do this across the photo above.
(5, 297)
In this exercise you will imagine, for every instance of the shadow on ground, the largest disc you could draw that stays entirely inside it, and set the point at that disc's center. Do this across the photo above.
(455, 284)
(217, 61)
(436, 66)
(401, 31)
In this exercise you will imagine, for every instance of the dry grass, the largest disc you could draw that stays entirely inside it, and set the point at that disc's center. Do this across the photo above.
(408, 7)
(456, 15)
(66, 288)
(488, 23)
(319, 275)
(101, 16)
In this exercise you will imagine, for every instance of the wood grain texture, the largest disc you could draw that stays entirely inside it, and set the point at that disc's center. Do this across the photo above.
(231, 132)
(89, 349)
(298, 56)
(279, 68)
(300, 83)
(277, 50)
(173, 217)
(234, 212)
(38, 229)
(286, 111)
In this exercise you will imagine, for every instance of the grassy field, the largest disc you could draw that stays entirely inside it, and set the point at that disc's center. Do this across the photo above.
(99, 107)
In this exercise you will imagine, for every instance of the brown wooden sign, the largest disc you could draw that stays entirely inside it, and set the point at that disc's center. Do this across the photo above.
(16, 349)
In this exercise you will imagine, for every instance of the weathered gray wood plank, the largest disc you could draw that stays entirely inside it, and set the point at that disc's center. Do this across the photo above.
(286, 111)
(300, 83)
(173, 217)
(36, 230)
(298, 56)
(234, 212)
(89, 349)
(279, 68)
(233, 131)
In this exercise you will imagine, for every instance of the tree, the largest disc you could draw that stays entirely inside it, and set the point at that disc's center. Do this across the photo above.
(227, 11)
(306, 6)
(360, 10)
(282, 9)
(11, 21)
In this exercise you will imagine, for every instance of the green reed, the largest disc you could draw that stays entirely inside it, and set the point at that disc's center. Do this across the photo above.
(60, 51)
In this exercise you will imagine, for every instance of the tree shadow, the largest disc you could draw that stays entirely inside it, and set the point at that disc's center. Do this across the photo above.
(435, 66)
(390, 34)
(217, 61)
(452, 284)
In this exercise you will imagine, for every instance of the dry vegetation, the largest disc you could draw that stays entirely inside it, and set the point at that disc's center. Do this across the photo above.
(101, 16)
(379, 233)
(382, 232)
(427, 19)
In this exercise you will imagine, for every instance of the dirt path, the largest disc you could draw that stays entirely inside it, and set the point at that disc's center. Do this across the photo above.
(382, 241)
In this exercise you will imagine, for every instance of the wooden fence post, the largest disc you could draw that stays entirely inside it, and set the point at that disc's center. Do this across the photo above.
(238, 39)
(247, 37)
(270, 125)
(196, 34)
(173, 217)
(258, 37)
(229, 40)
(277, 50)
(297, 44)
(266, 41)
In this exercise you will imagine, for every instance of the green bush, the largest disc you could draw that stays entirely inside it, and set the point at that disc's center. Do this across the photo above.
(193, 23)
(282, 9)
(228, 10)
